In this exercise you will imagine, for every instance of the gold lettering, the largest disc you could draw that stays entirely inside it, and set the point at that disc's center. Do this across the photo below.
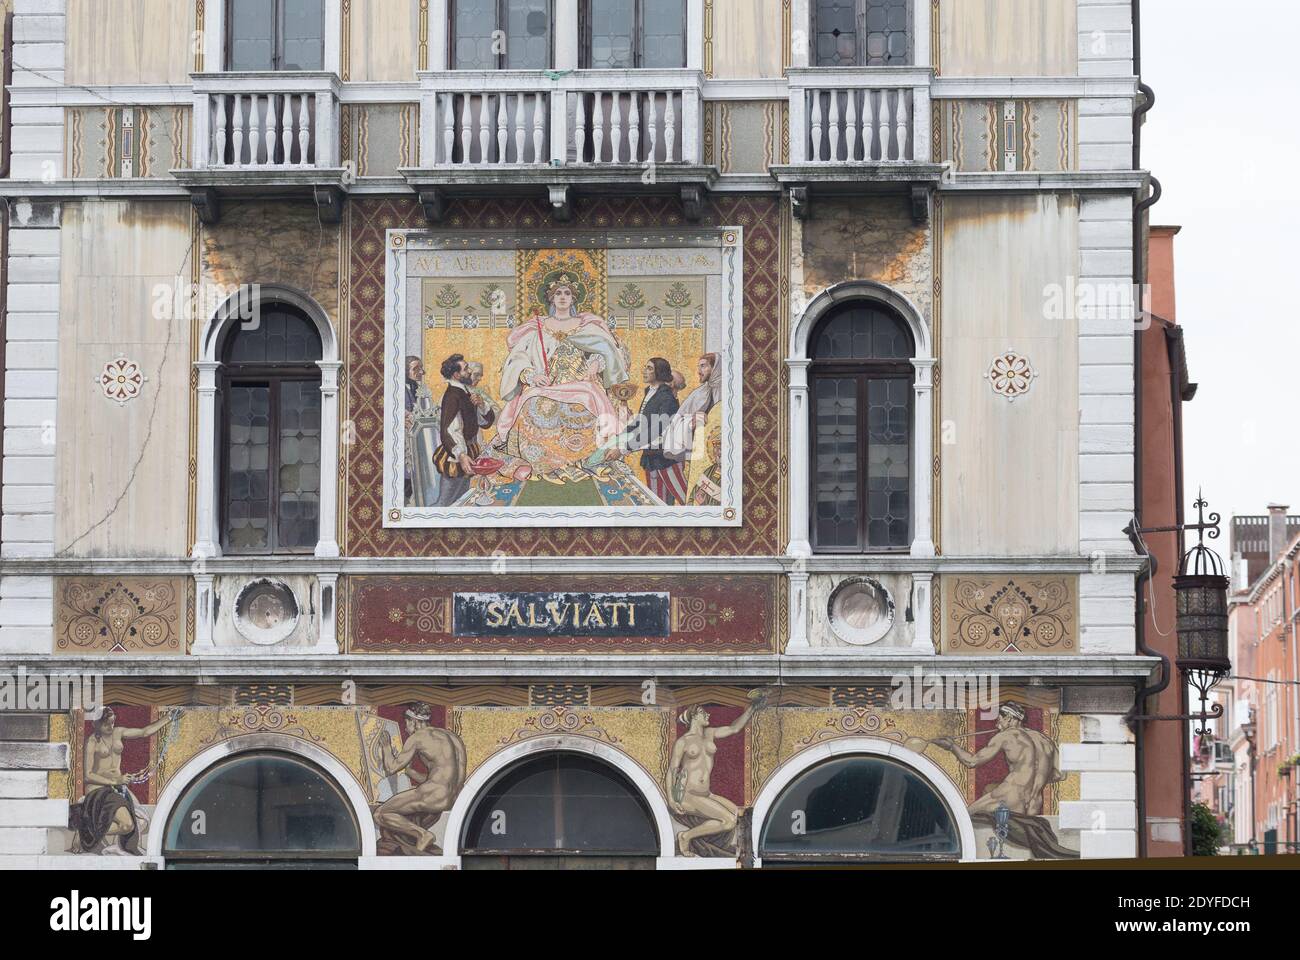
(495, 614)
(514, 615)
(594, 614)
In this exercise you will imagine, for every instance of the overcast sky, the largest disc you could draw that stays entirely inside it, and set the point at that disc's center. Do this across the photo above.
(1223, 150)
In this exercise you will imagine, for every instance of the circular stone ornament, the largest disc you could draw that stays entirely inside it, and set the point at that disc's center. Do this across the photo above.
(860, 611)
(266, 612)
(1011, 375)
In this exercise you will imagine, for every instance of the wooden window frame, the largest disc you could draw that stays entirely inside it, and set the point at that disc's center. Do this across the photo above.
(277, 35)
(273, 376)
(501, 21)
(638, 42)
(864, 371)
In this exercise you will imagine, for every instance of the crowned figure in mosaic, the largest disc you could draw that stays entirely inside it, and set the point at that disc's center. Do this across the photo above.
(555, 384)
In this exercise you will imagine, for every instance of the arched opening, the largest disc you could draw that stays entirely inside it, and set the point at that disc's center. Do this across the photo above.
(560, 809)
(859, 808)
(262, 810)
(861, 382)
(267, 426)
(270, 415)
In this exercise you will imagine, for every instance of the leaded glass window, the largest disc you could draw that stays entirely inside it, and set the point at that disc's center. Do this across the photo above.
(861, 33)
(501, 34)
(272, 434)
(861, 384)
(625, 34)
(275, 34)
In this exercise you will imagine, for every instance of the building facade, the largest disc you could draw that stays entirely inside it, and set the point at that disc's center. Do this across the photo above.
(1262, 728)
(714, 418)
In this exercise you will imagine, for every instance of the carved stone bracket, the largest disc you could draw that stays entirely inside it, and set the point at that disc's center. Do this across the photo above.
(561, 198)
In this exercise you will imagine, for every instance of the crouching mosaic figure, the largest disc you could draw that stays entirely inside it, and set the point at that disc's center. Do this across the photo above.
(711, 820)
(105, 820)
(406, 820)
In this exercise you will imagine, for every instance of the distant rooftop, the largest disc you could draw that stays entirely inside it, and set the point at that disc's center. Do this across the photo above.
(1250, 540)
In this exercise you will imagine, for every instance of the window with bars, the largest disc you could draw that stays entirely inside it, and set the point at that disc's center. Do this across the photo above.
(271, 435)
(861, 380)
(862, 33)
(627, 34)
(275, 34)
(501, 34)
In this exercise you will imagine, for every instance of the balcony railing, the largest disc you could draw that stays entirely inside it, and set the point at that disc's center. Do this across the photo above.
(878, 115)
(479, 120)
(266, 122)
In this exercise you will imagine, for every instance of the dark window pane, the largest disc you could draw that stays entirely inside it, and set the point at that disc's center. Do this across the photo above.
(274, 335)
(475, 21)
(613, 29)
(302, 32)
(835, 42)
(859, 806)
(252, 35)
(888, 462)
(248, 469)
(299, 499)
(528, 34)
(835, 462)
(863, 332)
(663, 34)
(561, 801)
(264, 804)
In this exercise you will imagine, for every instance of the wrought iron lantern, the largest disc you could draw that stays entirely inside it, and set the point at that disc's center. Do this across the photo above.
(1201, 607)
(1201, 592)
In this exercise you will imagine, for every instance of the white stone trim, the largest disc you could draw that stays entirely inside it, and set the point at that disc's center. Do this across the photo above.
(262, 743)
(798, 362)
(511, 755)
(1105, 38)
(208, 541)
(805, 760)
(30, 424)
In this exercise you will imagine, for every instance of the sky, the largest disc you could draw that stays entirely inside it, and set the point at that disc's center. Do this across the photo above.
(1222, 139)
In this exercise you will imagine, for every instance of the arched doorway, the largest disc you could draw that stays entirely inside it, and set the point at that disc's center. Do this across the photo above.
(556, 810)
(859, 809)
(262, 810)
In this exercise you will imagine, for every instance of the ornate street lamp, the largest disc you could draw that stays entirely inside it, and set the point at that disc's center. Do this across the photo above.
(1201, 592)
(1201, 605)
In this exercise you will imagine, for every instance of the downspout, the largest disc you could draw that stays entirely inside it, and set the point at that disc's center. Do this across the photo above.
(6, 151)
(1177, 353)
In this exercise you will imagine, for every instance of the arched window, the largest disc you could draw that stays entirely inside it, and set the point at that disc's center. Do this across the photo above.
(561, 804)
(860, 807)
(271, 433)
(262, 809)
(861, 380)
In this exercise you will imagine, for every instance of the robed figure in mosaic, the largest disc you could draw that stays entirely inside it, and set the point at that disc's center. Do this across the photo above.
(554, 385)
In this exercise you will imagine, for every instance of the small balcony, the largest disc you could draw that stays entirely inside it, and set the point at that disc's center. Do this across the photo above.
(263, 134)
(519, 131)
(855, 129)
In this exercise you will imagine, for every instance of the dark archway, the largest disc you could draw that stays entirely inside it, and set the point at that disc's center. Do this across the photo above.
(262, 810)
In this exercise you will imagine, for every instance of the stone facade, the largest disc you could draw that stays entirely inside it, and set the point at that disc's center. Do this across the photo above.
(420, 652)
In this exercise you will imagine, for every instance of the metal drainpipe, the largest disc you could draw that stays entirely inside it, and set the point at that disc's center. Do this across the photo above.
(6, 132)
